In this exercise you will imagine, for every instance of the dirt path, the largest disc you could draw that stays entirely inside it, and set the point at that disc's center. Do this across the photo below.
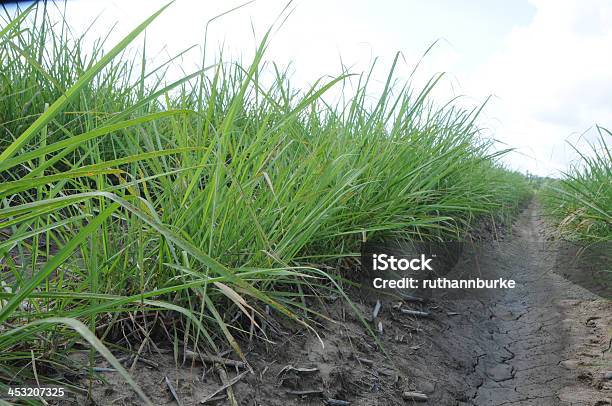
(528, 342)
(546, 343)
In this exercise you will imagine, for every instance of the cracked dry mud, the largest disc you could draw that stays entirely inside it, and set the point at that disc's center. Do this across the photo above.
(526, 342)
(545, 343)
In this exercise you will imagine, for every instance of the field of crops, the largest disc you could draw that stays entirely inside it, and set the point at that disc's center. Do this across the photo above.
(211, 201)
(581, 202)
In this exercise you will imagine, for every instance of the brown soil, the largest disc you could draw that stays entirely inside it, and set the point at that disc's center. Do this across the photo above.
(546, 342)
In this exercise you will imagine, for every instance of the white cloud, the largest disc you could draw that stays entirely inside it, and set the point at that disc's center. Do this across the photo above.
(553, 81)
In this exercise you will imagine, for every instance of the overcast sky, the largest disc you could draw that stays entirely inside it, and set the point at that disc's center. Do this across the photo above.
(547, 63)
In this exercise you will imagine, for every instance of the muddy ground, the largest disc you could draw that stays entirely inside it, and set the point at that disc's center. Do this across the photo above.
(546, 342)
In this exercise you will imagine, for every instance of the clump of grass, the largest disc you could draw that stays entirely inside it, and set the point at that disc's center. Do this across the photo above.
(581, 202)
(208, 198)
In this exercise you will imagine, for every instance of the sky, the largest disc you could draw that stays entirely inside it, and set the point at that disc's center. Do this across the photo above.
(545, 63)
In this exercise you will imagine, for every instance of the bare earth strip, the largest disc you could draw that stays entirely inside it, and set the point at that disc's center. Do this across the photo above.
(537, 325)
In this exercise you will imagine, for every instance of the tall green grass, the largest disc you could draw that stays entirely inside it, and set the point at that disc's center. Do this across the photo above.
(126, 201)
(581, 202)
